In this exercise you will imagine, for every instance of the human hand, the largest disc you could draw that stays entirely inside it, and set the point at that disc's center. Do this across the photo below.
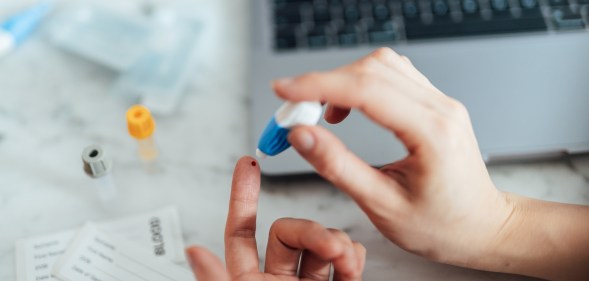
(439, 201)
(290, 241)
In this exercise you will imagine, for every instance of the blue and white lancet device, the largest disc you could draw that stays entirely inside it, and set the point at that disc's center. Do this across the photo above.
(274, 138)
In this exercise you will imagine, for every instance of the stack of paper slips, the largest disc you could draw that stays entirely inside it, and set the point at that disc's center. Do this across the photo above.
(146, 247)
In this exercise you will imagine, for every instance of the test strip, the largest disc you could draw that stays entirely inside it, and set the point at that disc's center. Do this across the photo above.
(94, 255)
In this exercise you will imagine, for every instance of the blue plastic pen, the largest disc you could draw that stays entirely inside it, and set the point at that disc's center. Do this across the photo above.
(17, 28)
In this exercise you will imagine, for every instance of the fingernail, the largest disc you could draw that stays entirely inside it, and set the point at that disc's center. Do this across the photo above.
(328, 111)
(284, 82)
(303, 141)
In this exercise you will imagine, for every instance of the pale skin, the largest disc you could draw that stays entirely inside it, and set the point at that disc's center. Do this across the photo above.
(290, 241)
(438, 202)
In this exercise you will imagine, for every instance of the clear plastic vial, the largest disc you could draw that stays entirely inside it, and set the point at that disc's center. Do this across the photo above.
(147, 150)
(107, 190)
(98, 166)
(141, 127)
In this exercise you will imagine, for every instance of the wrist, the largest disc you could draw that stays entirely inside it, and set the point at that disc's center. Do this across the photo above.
(499, 226)
(541, 239)
(478, 243)
(502, 244)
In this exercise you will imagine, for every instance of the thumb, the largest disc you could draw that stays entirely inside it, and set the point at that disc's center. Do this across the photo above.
(368, 186)
(205, 265)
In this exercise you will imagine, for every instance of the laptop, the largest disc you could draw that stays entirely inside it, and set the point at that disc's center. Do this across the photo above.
(521, 67)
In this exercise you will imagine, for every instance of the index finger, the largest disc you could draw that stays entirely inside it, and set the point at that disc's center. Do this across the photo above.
(241, 254)
(399, 106)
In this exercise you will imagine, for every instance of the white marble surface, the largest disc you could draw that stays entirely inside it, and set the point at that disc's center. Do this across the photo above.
(53, 104)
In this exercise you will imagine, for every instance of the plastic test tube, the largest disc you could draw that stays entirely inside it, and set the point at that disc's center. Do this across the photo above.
(98, 166)
(141, 127)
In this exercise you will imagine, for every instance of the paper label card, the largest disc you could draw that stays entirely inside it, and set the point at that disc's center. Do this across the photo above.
(94, 255)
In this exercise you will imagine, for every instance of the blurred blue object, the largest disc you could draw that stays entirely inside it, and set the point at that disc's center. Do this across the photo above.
(159, 77)
(100, 34)
(155, 55)
(19, 27)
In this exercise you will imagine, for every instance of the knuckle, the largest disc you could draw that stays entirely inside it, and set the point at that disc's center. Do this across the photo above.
(456, 108)
(314, 227)
(383, 53)
(449, 134)
(310, 77)
(352, 273)
(452, 120)
(244, 232)
(359, 247)
(366, 64)
(444, 126)
(313, 275)
(331, 170)
(341, 235)
(279, 223)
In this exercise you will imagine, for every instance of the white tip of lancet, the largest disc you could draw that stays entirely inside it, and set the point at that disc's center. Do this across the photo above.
(260, 154)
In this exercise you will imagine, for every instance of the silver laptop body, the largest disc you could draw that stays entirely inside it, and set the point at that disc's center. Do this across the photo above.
(527, 93)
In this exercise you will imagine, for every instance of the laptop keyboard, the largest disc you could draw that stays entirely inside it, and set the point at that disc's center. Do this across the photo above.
(316, 24)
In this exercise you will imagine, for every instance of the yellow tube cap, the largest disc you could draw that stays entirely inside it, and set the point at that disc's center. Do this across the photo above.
(140, 122)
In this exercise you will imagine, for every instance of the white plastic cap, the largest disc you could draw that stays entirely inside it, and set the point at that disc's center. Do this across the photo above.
(6, 43)
(260, 154)
(291, 114)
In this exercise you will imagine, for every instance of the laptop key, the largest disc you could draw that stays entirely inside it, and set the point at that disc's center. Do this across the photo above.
(317, 41)
(419, 30)
(416, 30)
(528, 4)
(374, 18)
(287, 14)
(280, 4)
(564, 18)
(321, 12)
(440, 8)
(410, 9)
(283, 2)
(351, 13)
(348, 36)
(530, 8)
(382, 32)
(285, 43)
(500, 9)
(470, 7)
(499, 5)
(440, 11)
(317, 37)
(381, 12)
(285, 38)
(555, 3)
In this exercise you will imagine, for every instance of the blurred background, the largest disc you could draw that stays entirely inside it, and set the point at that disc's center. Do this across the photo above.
(64, 88)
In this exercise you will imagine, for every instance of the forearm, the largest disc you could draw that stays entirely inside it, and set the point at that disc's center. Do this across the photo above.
(542, 239)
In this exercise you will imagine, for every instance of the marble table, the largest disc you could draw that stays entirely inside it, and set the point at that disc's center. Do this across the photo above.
(53, 104)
